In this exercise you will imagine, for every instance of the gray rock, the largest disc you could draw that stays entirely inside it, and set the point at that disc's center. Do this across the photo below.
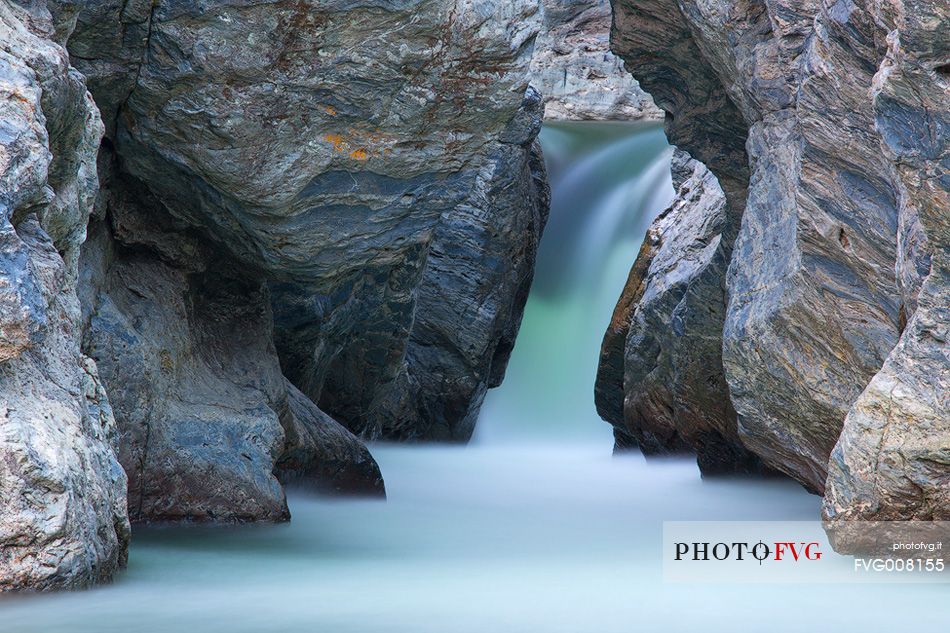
(106, 40)
(478, 273)
(193, 377)
(675, 393)
(813, 303)
(814, 307)
(63, 520)
(892, 461)
(339, 156)
(658, 48)
(184, 340)
(320, 454)
(576, 72)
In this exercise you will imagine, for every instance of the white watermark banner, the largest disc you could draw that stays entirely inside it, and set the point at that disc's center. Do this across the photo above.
(806, 552)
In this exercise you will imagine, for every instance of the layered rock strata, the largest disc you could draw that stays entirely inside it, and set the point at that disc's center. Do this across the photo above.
(892, 460)
(663, 351)
(343, 158)
(184, 341)
(308, 213)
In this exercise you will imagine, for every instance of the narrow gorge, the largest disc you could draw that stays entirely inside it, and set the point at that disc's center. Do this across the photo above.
(260, 251)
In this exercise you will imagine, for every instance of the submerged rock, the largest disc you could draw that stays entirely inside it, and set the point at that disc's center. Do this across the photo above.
(63, 520)
(892, 461)
(573, 67)
(813, 301)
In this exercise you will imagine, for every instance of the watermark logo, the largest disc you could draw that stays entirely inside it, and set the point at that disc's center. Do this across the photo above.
(803, 551)
(742, 550)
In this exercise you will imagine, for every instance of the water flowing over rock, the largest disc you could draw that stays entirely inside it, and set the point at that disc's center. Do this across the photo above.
(63, 520)
(773, 98)
(576, 72)
(892, 462)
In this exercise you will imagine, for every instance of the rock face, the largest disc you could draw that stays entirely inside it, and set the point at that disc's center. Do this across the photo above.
(573, 67)
(665, 347)
(63, 520)
(184, 341)
(185, 348)
(892, 462)
(320, 454)
(372, 164)
(773, 98)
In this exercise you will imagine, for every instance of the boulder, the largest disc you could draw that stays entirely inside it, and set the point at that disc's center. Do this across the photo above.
(63, 521)
(372, 163)
(668, 340)
(321, 455)
(184, 338)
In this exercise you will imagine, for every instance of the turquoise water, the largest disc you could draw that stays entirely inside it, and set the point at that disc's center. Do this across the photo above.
(608, 182)
(533, 528)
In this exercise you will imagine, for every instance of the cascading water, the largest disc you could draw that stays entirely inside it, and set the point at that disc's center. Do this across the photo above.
(608, 182)
(533, 528)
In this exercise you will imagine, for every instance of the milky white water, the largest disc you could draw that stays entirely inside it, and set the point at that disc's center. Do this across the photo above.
(533, 528)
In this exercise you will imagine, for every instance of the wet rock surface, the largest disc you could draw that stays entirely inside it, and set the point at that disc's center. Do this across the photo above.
(411, 157)
(773, 98)
(573, 67)
(185, 349)
(315, 221)
(321, 455)
(183, 336)
(63, 520)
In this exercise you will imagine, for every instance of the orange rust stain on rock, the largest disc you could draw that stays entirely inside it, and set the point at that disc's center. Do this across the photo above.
(339, 144)
(342, 145)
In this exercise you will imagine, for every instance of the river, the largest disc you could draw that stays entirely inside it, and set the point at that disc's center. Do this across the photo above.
(533, 528)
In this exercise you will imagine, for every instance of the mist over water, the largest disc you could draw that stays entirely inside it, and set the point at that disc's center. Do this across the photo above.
(533, 528)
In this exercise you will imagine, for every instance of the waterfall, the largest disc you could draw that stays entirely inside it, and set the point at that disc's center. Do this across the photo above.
(608, 182)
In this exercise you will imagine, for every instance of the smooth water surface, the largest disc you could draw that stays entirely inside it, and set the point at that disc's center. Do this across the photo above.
(533, 528)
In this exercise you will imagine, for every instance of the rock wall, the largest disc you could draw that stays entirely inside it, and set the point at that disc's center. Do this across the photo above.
(310, 214)
(184, 342)
(663, 352)
(891, 462)
(573, 67)
(302, 204)
(63, 516)
(774, 98)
